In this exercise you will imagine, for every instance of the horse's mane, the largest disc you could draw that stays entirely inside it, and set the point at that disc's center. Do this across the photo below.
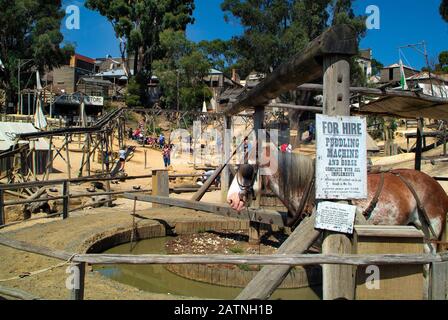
(294, 172)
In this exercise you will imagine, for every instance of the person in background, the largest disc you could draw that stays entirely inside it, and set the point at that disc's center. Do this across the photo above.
(284, 147)
(161, 140)
(122, 156)
(166, 153)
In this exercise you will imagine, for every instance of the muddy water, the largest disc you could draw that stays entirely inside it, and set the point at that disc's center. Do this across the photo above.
(155, 278)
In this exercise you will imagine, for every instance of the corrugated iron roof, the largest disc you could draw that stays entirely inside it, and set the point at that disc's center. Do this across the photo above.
(9, 130)
(409, 107)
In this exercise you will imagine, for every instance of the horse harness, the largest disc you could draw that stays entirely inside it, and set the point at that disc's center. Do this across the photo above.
(421, 209)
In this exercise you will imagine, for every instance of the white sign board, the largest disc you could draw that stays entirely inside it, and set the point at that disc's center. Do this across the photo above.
(341, 166)
(335, 217)
(94, 101)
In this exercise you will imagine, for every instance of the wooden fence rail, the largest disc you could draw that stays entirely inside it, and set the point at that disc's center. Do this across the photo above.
(288, 260)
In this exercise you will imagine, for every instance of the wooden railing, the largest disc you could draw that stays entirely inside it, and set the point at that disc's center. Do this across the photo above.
(291, 260)
(66, 196)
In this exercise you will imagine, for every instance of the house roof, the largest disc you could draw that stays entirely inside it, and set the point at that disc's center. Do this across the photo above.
(397, 65)
(214, 71)
(412, 107)
(425, 75)
(96, 81)
(9, 130)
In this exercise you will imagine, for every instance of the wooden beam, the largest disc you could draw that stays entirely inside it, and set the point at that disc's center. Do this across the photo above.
(304, 67)
(338, 281)
(278, 259)
(160, 185)
(419, 145)
(439, 281)
(377, 92)
(263, 285)
(17, 294)
(295, 107)
(262, 215)
(2, 208)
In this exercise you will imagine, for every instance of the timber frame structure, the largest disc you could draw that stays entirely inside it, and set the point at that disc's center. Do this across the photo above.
(325, 57)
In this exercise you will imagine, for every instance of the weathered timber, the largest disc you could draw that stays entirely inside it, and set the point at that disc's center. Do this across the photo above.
(338, 281)
(295, 107)
(2, 208)
(439, 281)
(160, 185)
(66, 200)
(277, 259)
(269, 278)
(16, 294)
(262, 215)
(304, 67)
(33, 184)
(376, 92)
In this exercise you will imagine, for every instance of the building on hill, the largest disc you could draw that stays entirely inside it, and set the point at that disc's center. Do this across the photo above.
(392, 73)
(218, 83)
(434, 85)
(365, 62)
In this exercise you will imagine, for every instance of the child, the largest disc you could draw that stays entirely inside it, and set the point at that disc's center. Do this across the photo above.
(166, 153)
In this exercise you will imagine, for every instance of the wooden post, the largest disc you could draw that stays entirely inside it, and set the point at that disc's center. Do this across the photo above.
(270, 277)
(66, 200)
(227, 143)
(77, 291)
(338, 281)
(146, 159)
(88, 154)
(254, 227)
(67, 153)
(160, 185)
(419, 150)
(439, 281)
(2, 208)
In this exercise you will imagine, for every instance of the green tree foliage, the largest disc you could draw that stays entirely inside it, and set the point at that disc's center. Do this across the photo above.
(138, 24)
(443, 61)
(181, 72)
(376, 67)
(30, 29)
(444, 10)
(274, 30)
(220, 53)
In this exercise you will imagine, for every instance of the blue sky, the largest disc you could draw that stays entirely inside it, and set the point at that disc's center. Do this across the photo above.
(402, 22)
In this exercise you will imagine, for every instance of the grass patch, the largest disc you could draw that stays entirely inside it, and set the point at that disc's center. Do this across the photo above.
(236, 250)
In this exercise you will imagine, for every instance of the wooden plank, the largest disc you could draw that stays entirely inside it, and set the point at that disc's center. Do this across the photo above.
(302, 68)
(295, 107)
(403, 283)
(160, 186)
(225, 176)
(17, 294)
(263, 285)
(439, 281)
(262, 215)
(388, 231)
(338, 281)
(419, 147)
(277, 259)
(2, 208)
(66, 200)
(377, 92)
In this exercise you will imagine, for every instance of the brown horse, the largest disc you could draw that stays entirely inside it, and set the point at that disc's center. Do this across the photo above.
(392, 200)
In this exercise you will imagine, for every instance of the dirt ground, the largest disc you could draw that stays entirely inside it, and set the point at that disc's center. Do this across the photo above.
(71, 234)
(75, 235)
